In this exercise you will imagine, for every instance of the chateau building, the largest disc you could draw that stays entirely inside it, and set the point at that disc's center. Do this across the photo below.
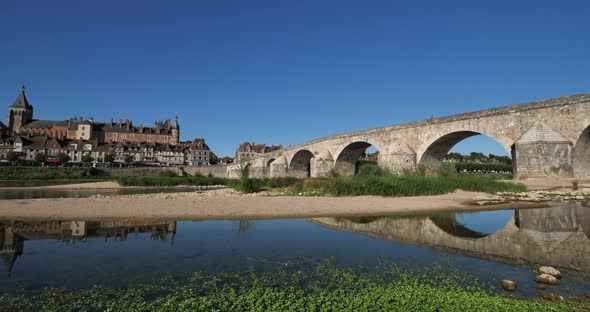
(77, 137)
(19, 120)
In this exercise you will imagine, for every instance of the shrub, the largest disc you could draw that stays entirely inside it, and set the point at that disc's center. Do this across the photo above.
(87, 158)
(333, 173)
(63, 157)
(93, 171)
(421, 171)
(447, 169)
(246, 184)
(40, 157)
(370, 169)
(167, 173)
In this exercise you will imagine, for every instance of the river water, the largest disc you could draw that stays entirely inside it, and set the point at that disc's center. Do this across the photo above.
(28, 190)
(490, 245)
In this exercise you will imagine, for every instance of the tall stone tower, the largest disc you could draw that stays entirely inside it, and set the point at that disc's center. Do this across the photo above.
(176, 131)
(19, 113)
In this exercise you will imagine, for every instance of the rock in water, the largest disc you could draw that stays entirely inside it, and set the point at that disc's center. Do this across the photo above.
(547, 279)
(508, 285)
(549, 270)
(550, 296)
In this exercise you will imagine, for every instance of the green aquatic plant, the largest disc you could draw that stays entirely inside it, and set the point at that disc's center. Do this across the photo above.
(296, 286)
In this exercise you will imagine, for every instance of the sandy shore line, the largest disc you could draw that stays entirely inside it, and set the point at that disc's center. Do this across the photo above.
(209, 205)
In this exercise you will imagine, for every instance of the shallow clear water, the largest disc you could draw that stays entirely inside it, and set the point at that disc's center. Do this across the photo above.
(21, 193)
(29, 183)
(507, 244)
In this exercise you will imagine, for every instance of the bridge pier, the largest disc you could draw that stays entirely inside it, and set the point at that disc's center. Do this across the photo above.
(582, 155)
(257, 170)
(278, 168)
(542, 152)
(322, 165)
(397, 163)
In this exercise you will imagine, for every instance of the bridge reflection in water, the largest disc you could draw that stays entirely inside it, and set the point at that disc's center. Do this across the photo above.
(557, 236)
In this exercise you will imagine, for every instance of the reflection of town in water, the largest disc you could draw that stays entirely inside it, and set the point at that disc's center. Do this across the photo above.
(13, 234)
(557, 236)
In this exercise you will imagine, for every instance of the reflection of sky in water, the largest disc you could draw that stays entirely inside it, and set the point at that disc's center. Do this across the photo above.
(485, 222)
(215, 246)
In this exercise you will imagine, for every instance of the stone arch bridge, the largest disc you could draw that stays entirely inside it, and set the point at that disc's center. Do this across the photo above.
(549, 138)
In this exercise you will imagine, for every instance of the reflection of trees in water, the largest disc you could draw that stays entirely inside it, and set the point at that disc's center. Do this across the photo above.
(244, 226)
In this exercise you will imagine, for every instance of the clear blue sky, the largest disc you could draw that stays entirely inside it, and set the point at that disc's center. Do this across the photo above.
(284, 72)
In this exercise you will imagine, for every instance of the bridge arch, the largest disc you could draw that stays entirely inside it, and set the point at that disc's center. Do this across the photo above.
(268, 162)
(346, 162)
(300, 164)
(437, 149)
(470, 225)
(581, 155)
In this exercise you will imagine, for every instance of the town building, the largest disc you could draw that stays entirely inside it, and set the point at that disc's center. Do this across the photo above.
(250, 150)
(19, 120)
(192, 153)
(197, 153)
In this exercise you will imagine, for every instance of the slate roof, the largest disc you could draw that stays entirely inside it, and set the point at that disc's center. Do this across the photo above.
(258, 148)
(103, 148)
(37, 143)
(165, 128)
(74, 125)
(21, 101)
(46, 124)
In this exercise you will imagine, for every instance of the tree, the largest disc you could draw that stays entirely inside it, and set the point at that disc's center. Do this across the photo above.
(63, 157)
(87, 158)
(455, 156)
(12, 156)
(40, 157)
(109, 157)
(129, 158)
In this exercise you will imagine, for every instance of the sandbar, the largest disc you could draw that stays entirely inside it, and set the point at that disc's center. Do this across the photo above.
(226, 204)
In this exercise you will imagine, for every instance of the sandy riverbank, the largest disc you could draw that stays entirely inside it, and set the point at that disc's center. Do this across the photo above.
(225, 204)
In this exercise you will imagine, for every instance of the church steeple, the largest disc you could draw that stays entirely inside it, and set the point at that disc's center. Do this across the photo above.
(21, 100)
(19, 113)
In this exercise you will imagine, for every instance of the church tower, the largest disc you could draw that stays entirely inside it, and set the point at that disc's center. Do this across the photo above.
(176, 132)
(19, 113)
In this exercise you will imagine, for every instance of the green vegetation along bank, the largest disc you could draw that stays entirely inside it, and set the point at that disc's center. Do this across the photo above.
(49, 173)
(323, 287)
(371, 180)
